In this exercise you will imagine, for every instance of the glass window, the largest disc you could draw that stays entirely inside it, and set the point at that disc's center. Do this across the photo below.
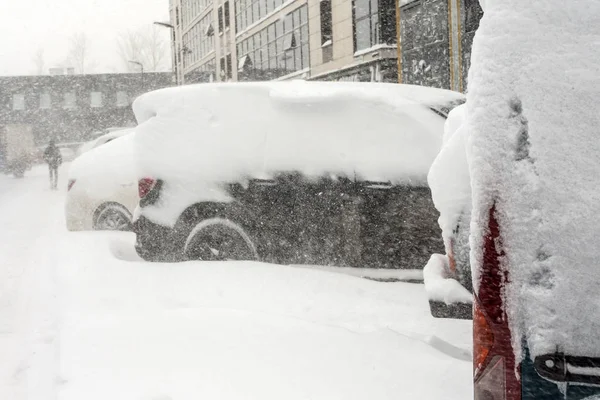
(362, 8)
(220, 16)
(288, 25)
(304, 34)
(255, 12)
(122, 99)
(45, 101)
(18, 101)
(363, 34)
(297, 59)
(96, 99)
(304, 15)
(326, 21)
(226, 8)
(305, 56)
(271, 33)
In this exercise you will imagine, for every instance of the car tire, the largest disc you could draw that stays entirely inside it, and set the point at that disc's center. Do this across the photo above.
(219, 239)
(112, 217)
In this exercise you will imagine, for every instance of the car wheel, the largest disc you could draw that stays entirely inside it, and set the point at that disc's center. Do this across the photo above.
(219, 239)
(113, 217)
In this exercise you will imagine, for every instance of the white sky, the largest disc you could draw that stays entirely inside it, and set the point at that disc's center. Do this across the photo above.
(27, 25)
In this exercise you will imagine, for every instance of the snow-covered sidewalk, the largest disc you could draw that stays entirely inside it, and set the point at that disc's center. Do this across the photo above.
(89, 320)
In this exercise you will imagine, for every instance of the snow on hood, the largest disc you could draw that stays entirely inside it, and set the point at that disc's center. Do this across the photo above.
(534, 152)
(230, 132)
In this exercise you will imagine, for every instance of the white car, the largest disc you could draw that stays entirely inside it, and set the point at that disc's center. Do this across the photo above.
(112, 134)
(102, 189)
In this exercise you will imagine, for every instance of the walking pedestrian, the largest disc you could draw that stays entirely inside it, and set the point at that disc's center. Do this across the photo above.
(53, 158)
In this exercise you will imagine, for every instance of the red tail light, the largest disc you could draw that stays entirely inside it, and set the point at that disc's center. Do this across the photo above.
(70, 184)
(496, 370)
(145, 185)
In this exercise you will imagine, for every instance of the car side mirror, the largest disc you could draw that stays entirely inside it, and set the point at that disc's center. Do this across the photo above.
(448, 298)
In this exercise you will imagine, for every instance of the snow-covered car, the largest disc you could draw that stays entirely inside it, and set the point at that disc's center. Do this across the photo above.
(106, 137)
(533, 156)
(102, 190)
(310, 173)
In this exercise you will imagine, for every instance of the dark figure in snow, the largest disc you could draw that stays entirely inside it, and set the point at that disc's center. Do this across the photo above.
(53, 157)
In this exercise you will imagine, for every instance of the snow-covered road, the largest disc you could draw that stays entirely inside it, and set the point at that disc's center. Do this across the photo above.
(81, 317)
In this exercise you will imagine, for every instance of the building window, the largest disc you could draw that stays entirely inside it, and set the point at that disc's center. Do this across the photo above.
(374, 23)
(122, 99)
(278, 49)
(18, 102)
(226, 8)
(222, 71)
(229, 72)
(96, 99)
(220, 16)
(326, 22)
(70, 100)
(45, 101)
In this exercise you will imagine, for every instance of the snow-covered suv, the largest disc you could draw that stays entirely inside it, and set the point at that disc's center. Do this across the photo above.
(289, 172)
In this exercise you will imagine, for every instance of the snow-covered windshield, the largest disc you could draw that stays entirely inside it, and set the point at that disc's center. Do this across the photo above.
(292, 199)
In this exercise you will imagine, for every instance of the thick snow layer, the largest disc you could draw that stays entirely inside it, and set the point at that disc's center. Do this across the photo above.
(439, 286)
(534, 152)
(449, 177)
(198, 136)
(82, 318)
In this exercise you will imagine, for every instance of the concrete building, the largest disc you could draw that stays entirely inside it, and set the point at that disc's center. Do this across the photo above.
(70, 107)
(241, 40)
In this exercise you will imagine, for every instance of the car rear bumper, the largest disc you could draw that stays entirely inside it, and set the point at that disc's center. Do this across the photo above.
(155, 242)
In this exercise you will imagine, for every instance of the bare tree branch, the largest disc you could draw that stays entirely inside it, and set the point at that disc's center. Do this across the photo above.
(78, 52)
(147, 46)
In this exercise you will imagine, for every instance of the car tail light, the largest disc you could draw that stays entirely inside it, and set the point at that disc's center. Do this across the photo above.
(495, 369)
(145, 186)
(70, 184)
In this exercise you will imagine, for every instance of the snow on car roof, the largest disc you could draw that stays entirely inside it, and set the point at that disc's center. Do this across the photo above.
(105, 163)
(372, 131)
(534, 152)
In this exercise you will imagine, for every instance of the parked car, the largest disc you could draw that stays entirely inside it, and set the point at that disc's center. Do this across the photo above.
(312, 172)
(107, 136)
(533, 159)
(102, 190)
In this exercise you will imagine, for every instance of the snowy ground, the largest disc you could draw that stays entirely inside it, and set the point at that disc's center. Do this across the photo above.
(81, 317)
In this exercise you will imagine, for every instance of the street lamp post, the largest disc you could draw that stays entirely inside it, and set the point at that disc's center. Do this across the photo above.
(175, 61)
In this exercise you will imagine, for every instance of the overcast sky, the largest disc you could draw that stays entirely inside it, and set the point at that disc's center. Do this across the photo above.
(27, 25)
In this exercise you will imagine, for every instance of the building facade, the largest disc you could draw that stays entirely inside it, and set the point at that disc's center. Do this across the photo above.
(336, 40)
(71, 107)
(244, 40)
(436, 40)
